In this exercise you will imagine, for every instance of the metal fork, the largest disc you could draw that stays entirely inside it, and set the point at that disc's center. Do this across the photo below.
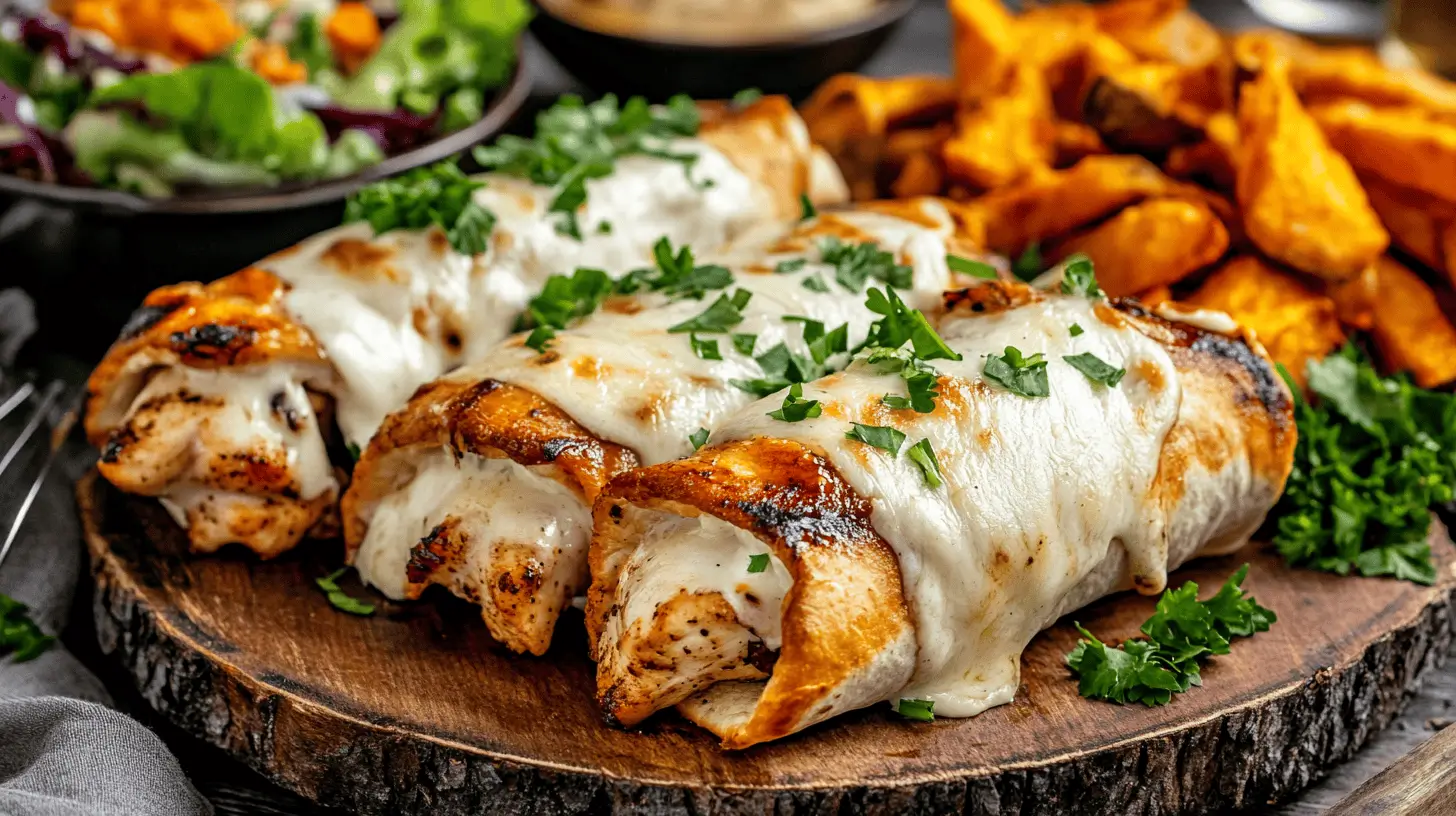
(47, 399)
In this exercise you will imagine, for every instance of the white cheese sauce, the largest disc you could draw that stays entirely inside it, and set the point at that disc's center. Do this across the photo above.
(1037, 491)
(496, 499)
(399, 309)
(625, 377)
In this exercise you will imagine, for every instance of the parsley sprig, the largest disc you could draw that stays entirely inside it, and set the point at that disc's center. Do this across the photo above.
(1078, 277)
(1019, 374)
(338, 598)
(440, 195)
(1182, 633)
(783, 367)
(1374, 455)
(855, 264)
(577, 141)
(20, 637)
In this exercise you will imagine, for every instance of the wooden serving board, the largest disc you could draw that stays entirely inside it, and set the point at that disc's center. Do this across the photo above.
(416, 710)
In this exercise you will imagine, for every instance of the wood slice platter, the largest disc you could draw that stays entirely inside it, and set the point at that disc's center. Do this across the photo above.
(416, 710)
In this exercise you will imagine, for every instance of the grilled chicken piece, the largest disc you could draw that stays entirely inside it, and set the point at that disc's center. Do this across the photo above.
(880, 586)
(497, 465)
(210, 400)
(213, 400)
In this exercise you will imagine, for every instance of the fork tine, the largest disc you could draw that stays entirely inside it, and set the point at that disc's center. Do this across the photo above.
(54, 391)
(15, 399)
(48, 400)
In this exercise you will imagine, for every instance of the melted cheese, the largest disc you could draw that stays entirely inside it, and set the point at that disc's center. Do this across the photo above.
(397, 310)
(627, 379)
(1038, 492)
(237, 415)
(707, 552)
(499, 500)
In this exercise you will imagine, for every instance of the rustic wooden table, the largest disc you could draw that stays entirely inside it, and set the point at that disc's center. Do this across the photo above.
(920, 46)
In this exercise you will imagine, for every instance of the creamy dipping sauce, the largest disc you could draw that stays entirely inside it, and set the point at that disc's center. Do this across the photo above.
(711, 21)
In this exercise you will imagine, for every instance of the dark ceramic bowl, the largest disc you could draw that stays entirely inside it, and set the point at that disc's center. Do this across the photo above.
(89, 255)
(658, 67)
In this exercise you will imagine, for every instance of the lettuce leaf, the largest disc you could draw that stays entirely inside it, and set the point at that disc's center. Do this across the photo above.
(211, 124)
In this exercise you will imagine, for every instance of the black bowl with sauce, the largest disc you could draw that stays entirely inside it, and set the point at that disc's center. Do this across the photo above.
(658, 67)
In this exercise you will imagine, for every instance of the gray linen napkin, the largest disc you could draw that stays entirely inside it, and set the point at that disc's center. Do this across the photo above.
(63, 752)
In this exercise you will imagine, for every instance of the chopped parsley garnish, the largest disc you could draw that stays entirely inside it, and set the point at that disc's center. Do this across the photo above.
(920, 378)
(854, 264)
(337, 598)
(919, 710)
(577, 141)
(814, 283)
(966, 266)
(20, 637)
(705, 349)
(791, 265)
(1374, 455)
(1023, 376)
(539, 338)
(900, 323)
(440, 195)
(807, 209)
(924, 458)
(746, 97)
(1029, 263)
(604, 228)
(675, 274)
(758, 563)
(796, 408)
(699, 438)
(783, 367)
(877, 436)
(564, 299)
(1078, 278)
(1076, 330)
(725, 313)
(743, 343)
(1182, 633)
(1096, 369)
(353, 449)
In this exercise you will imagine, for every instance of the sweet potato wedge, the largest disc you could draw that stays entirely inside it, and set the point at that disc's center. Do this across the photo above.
(1060, 201)
(984, 45)
(1138, 109)
(1411, 331)
(1402, 146)
(1075, 142)
(1003, 138)
(1301, 202)
(1417, 223)
(1210, 161)
(853, 117)
(1355, 299)
(1295, 323)
(1161, 31)
(1323, 74)
(1155, 243)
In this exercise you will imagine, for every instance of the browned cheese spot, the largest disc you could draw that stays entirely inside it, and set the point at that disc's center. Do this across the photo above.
(362, 260)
